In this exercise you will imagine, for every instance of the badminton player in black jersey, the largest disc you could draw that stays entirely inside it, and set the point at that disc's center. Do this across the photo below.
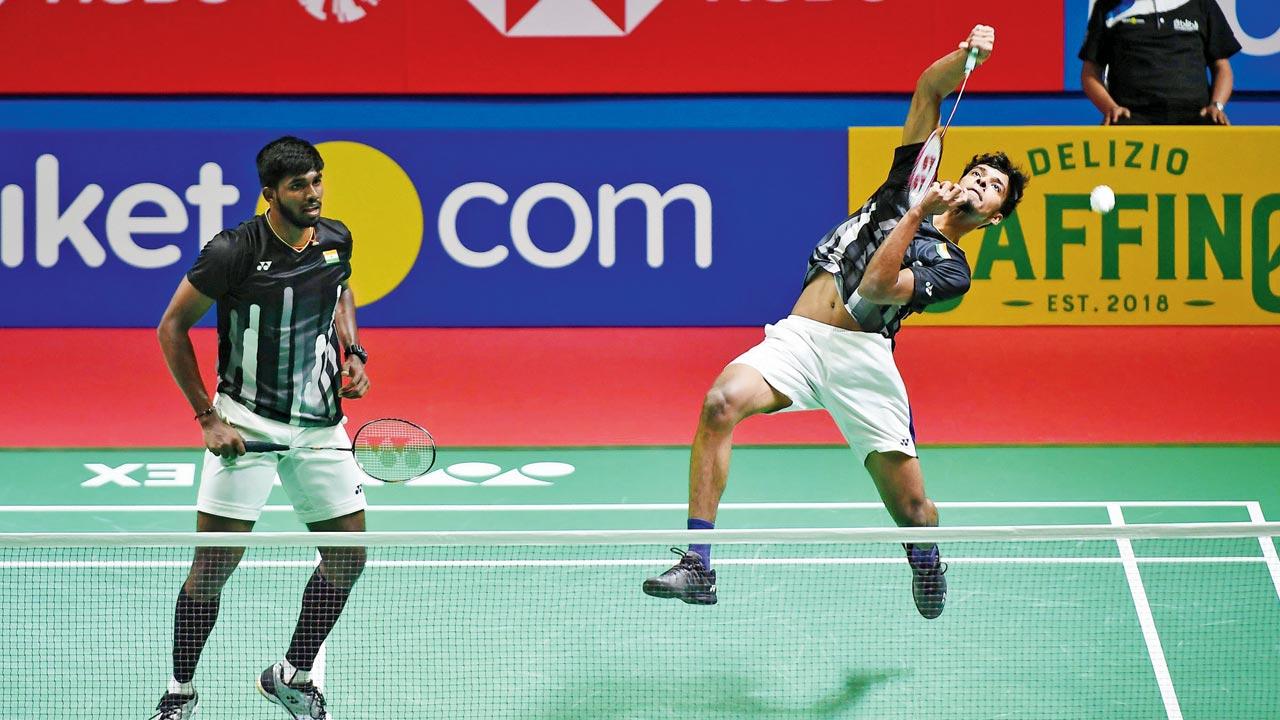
(835, 351)
(285, 317)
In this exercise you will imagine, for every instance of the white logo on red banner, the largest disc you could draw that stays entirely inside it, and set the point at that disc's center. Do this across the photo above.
(344, 11)
(565, 18)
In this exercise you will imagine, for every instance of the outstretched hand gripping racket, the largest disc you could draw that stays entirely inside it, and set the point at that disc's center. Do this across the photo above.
(925, 170)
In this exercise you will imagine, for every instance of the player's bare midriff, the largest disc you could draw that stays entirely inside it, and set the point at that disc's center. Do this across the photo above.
(821, 301)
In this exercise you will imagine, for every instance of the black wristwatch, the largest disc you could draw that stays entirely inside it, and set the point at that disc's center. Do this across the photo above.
(359, 352)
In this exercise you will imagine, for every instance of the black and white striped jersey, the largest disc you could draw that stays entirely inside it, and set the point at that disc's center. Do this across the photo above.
(277, 346)
(939, 265)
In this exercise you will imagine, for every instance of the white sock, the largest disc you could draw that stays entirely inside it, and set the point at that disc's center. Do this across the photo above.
(292, 675)
(186, 688)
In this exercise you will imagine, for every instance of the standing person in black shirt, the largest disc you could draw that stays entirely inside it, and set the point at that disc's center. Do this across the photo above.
(835, 351)
(284, 310)
(1144, 62)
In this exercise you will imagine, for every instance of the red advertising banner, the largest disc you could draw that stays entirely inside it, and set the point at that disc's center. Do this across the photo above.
(303, 47)
(1027, 385)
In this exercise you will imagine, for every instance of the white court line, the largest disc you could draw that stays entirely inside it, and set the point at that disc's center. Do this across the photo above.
(627, 507)
(1145, 620)
(1268, 546)
(307, 564)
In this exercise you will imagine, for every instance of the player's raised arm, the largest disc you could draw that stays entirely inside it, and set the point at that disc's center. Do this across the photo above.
(939, 80)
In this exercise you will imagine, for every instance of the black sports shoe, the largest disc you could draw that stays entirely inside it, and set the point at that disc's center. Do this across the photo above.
(689, 580)
(928, 583)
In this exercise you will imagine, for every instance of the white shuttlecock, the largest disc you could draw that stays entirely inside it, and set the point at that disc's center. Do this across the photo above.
(1102, 199)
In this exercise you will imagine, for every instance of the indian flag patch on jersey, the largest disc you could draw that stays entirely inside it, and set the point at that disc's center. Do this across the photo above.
(942, 250)
(330, 257)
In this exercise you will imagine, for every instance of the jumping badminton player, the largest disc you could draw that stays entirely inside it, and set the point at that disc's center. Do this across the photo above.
(284, 310)
(835, 351)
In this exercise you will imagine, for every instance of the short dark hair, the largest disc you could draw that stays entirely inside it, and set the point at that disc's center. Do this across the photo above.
(286, 157)
(1018, 179)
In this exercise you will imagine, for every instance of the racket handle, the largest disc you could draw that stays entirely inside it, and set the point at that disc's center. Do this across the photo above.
(971, 62)
(257, 446)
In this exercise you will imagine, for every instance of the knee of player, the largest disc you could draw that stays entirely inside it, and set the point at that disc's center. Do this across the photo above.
(913, 511)
(719, 408)
(205, 587)
(215, 564)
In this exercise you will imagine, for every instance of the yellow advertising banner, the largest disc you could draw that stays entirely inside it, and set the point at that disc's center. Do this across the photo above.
(1194, 238)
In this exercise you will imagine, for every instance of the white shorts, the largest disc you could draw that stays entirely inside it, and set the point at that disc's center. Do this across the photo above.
(850, 374)
(322, 484)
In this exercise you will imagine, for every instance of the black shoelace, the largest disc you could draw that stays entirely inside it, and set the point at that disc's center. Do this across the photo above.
(169, 703)
(690, 560)
(317, 699)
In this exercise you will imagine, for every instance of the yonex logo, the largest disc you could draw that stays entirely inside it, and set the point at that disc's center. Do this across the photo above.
(565, 18)
(928, 288)
(344, 11)
(264, 265)
(463, 474)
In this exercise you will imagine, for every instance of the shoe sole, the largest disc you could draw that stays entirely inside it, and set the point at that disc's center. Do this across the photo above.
(929, 609)
(925, 613)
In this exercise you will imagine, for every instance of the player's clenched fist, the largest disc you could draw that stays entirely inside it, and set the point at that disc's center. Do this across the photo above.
(221, 439)
(982, 37)
(943, 196)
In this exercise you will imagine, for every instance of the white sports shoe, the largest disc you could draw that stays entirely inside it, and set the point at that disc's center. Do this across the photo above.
(302, 702)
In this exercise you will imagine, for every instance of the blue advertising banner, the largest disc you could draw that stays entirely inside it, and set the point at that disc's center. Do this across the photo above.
(1256, 24)
(452, 228)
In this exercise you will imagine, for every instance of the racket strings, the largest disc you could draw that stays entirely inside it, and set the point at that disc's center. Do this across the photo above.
(394, 450)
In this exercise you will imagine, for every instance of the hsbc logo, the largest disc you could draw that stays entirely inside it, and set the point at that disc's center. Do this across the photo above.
(565, 18)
